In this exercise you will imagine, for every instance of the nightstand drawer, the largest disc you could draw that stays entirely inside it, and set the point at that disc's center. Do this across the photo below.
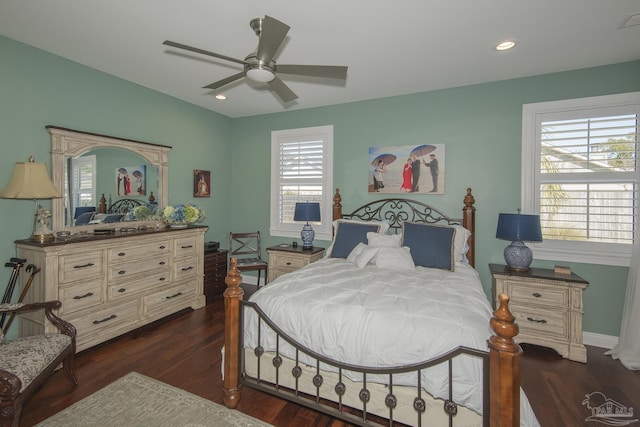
(289, 262)
(540, 322)
(539, 294)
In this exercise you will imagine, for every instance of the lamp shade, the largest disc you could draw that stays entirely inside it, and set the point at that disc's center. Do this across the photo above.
(521, 227)
(30, 180)
(308, 211)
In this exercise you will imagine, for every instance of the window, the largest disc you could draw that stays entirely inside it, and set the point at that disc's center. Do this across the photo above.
(301, 171)
(580, 173)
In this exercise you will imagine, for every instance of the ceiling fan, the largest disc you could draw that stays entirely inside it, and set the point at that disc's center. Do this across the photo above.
(259, 65)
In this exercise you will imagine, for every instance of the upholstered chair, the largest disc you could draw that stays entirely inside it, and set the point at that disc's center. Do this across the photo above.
(27, 362)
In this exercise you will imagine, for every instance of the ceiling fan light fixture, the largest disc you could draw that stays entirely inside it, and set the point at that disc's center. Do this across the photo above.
(260, 75)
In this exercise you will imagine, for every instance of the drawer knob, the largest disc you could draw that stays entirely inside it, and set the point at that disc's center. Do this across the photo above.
(162, 246)
(531, 319)
(537, 295)
(186, 246)
(97, 322)
(187, 268)
(89, 264)
(122, 254)
(174, 295)
(161, 263)
(87, 295)
(288, 262)
(121, 290)
(122, 271)
(162, 279)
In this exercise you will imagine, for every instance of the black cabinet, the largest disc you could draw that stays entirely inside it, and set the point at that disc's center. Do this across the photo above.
(215, 271)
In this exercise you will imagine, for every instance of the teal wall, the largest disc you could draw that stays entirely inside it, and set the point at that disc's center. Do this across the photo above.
(39, 89)
(480, 125)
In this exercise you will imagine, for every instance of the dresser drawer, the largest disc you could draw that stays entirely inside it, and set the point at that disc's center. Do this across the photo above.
(538, 294)
(132, 252)
(120, 273)
(106, 323)
(285, 262)
(80, 266)
(186, 267)
(185, 246)
(169, 300)
(80, 296)
(539, 322)
(142, 283)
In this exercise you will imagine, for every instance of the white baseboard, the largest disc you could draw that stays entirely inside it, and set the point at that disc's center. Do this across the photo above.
(599, 340)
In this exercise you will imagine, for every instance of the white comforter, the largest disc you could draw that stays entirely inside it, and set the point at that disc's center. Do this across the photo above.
(379, 317)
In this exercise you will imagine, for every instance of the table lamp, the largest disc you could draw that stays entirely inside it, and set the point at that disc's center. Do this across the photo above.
(308, 211)
(30, 180)
(519, 229)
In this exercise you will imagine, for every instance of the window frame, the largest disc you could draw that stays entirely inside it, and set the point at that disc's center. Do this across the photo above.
(616, 254)
(323, 231)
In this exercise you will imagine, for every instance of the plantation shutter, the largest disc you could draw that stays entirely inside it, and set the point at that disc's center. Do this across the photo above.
(588, 177)
(301, 175)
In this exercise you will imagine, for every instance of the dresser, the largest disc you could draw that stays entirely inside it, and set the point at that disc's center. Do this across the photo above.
(547, 306)
(286, 258)
(215, 271)
(112, 284)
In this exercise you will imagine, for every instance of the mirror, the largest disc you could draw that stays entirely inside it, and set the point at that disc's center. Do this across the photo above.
(133, 168)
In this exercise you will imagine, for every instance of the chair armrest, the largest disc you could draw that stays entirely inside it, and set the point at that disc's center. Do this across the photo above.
(48, 306)
(10, 385)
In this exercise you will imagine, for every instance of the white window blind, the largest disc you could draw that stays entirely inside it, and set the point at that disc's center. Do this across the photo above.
(301, 171)
(580, 173)
(587, 182)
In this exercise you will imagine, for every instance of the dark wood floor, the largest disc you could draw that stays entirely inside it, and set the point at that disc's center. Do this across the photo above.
(184, 351)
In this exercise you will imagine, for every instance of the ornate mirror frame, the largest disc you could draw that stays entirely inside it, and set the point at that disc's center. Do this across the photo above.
(67, 143)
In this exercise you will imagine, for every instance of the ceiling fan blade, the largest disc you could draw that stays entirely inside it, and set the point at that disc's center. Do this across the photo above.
(226, 81)
(272, 34)
(203, 52)
(282, 90)
(331, 71)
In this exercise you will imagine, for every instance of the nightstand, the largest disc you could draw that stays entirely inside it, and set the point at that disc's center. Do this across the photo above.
(547, 306)
(285, 258)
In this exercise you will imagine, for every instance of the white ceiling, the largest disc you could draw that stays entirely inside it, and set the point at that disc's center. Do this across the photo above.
(391, 47)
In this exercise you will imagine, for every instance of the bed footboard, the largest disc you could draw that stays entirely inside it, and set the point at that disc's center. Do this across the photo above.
(503, 399)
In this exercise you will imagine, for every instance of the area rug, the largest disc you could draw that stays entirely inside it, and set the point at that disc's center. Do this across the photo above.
(139, 401)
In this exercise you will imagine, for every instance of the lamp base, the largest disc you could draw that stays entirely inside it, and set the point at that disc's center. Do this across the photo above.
(518, 256)
(42, 238)
(307, 234)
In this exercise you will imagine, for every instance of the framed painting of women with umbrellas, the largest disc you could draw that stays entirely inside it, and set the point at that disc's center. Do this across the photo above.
(131, 181)
(407, 169)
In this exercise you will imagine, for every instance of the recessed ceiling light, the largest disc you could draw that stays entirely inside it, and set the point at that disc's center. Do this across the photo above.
(221, 97)
(505, 45)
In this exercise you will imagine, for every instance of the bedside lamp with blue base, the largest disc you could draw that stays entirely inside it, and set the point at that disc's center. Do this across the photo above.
(308, 211)
(518, 228)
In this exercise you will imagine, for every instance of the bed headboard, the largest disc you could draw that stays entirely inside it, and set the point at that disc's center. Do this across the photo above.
(397, 210)
(124, 206)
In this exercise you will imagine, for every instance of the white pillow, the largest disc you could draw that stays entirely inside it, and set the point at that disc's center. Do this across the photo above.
(398, 258)
(460, 246)
(361, 255)
(384, 240)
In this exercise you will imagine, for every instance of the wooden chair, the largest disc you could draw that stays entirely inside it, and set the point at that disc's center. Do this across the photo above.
(245, 247)
(27, 362)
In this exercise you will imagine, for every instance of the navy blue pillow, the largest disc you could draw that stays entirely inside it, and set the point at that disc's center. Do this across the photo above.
(112, 218)
(348, 235)
(84, 218)
(430, 245)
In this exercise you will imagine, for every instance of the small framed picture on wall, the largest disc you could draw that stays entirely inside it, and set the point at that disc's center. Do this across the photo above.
(201, 183)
